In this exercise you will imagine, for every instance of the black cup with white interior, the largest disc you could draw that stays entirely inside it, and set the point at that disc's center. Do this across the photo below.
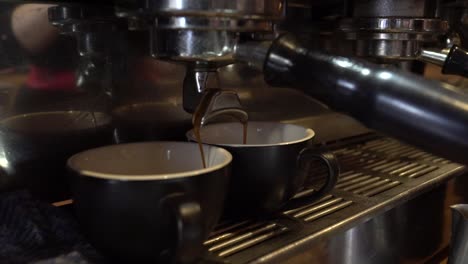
(149, 202)
(271, 167)
(35, 147)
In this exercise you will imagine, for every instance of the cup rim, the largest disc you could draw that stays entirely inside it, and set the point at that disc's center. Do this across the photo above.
(104, 121)
(9, 118)
(149, 177)
(309, 135)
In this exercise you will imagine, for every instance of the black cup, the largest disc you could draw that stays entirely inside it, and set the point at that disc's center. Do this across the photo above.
(271, 168)
(149, 202)
(151, 121)
(36, 146)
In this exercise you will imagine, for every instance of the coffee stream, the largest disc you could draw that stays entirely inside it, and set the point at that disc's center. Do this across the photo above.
(196, 131)
(244, 138)
(197, 122)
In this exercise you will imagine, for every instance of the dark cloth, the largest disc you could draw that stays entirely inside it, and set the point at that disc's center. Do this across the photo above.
(36, 232)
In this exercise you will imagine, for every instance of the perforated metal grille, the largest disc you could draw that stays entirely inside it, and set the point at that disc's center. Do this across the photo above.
(325, 206)
(371, 172)
(376, 166)
(233, 238)
(364, 184)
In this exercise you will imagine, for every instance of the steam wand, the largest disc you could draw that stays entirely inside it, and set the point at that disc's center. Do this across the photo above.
(421, 112)
(453, 60)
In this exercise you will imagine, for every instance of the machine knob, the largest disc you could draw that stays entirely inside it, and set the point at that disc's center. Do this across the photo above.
(456, 62)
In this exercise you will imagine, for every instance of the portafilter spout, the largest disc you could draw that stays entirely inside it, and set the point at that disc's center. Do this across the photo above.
(203, 97)
(419, 111)
(197, 80)
(217, 104)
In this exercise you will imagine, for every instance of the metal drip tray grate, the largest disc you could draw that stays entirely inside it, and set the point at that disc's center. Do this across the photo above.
(325, 206)
(376, 175)
(239, 236)
(364, 184)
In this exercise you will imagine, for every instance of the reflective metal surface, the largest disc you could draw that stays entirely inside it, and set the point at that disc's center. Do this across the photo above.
(392, 8)
(197, 80)
(206, 30)
(193, 45)
(433, 56)
(240, 9)
(459, 239)
(385, 99)
(102, 62)
(366, 219)
(453, 60)
(217, 104)
(389, 38)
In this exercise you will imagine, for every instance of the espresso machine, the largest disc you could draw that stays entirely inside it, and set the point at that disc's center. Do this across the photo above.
(359, 69)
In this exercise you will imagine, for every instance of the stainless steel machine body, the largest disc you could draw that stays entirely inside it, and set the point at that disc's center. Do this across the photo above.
(379, 212)
(203, 34)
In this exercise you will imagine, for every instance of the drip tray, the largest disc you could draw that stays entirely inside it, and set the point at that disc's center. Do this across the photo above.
(377, 174)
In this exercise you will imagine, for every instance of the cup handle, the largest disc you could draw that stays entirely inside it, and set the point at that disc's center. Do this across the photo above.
(333, 165)
(187, 212)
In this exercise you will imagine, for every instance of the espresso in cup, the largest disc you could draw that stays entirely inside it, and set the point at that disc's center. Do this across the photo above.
(271, 167)
(149, 202)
